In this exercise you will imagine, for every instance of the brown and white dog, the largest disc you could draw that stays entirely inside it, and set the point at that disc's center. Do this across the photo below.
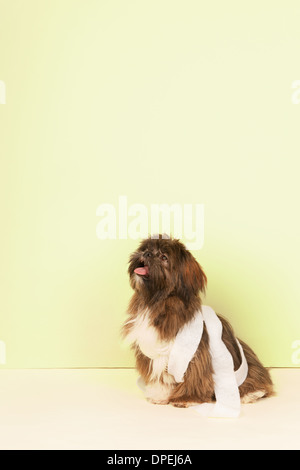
(167, 281)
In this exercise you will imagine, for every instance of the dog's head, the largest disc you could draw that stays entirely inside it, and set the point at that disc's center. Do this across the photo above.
(163, 266)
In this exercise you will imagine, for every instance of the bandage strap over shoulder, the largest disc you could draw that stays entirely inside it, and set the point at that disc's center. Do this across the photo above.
(185, 345)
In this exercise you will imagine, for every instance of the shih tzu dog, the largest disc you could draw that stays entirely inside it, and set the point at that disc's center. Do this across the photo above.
(167, 281)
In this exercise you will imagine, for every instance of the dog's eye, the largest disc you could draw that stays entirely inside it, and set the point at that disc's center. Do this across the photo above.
(164, 258)
(148, 254)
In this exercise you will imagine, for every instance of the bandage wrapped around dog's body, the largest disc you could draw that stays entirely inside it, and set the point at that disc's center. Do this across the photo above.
(226, 380)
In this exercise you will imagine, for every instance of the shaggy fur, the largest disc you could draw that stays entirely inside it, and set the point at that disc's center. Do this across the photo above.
(164, 300)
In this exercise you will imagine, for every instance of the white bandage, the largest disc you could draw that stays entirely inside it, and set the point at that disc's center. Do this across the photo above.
(226, 381)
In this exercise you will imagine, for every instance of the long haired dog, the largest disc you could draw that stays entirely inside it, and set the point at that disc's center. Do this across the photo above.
(167, 281)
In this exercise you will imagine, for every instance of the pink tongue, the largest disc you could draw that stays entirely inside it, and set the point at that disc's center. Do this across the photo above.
(142, 271)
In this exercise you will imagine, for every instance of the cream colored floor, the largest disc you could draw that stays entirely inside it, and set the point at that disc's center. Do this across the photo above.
(104, 409)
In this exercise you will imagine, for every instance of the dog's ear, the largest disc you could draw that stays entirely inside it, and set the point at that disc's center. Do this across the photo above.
(191, 278)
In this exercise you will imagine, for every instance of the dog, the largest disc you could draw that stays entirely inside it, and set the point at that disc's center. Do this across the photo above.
(167, 282)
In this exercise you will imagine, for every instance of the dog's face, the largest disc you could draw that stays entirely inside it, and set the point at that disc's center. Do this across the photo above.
(163, 266)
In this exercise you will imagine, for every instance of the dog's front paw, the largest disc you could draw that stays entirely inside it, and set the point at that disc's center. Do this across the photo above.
(157, 402)
(157, 393)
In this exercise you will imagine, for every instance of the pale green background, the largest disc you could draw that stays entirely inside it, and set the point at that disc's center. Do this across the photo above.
(162, 101)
